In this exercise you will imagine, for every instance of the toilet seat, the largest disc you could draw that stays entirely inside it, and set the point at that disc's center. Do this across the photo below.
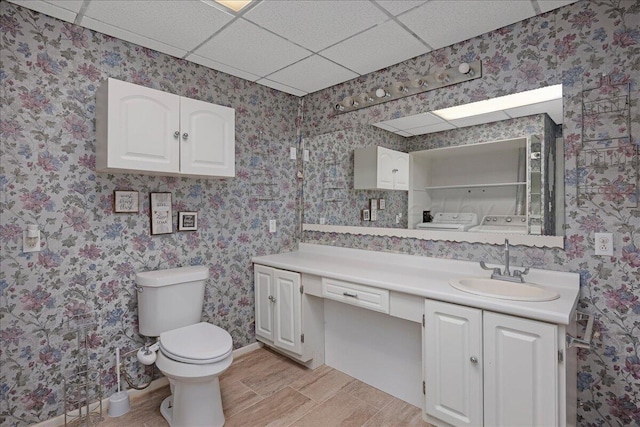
(198, 344)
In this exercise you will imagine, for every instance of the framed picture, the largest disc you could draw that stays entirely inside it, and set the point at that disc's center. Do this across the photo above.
(374, 204)
(187, 221)
(161, 213)
(365, 214)
(125, 201)
(382, 204)
(374, 215)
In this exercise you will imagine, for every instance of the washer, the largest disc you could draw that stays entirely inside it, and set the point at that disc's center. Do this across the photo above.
(450, 222)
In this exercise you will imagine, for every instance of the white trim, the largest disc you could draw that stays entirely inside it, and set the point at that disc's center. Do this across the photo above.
(491, 238)
(134, 394)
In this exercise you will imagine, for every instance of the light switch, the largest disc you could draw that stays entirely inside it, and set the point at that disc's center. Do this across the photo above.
(272, 226)
(292, 153)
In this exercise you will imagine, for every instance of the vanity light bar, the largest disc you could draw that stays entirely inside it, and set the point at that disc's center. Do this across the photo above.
(419, 84)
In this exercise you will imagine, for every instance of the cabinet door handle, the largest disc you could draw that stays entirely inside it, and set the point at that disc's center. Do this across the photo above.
(394, 170)
(271, 298)
(347, 294)
(176, 134)
(473, 359)
(185, 135)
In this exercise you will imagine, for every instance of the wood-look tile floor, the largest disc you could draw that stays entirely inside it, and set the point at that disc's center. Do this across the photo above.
(263, 388)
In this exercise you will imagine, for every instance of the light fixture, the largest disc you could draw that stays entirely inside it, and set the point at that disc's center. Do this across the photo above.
(381, 93)
(411, 86)
(235, 5)
(501, 103)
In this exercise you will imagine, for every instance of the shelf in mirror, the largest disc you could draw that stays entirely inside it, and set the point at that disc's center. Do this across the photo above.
(493, 184)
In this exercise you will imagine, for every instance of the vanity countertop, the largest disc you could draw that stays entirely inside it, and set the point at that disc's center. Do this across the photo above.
(427, 277)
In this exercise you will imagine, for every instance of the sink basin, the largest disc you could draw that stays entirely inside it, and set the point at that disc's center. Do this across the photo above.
(504, 290)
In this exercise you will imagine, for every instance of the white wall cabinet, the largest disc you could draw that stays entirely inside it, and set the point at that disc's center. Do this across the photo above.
(484, 368)
(379, 168)
(285, 318)
(143, 130)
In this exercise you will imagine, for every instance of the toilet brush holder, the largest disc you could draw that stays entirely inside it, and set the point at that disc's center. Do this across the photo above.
(119, 404)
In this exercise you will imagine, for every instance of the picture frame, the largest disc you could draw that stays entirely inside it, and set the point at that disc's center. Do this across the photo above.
(187, 221)
(365, 215)
(125, 201)
(382, 204)
(161, 214)
(374, 204)
(374, 215)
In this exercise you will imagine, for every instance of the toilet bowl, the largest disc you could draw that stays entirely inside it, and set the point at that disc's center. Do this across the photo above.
(192, 358)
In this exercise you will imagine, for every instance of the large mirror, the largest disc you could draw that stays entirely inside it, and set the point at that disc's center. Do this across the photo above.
(461, 175)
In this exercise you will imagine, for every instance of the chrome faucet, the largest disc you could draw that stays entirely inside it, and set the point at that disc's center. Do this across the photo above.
(497, 274)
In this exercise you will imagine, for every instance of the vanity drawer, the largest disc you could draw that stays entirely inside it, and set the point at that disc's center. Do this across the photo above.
(359, 295)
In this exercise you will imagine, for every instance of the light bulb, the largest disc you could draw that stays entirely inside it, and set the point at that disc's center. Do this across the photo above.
(381, 93)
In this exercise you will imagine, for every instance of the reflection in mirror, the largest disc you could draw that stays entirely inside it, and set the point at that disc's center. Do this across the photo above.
(500, 166)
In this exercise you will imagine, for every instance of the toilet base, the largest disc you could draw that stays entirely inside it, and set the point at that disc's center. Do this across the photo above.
(196, 404)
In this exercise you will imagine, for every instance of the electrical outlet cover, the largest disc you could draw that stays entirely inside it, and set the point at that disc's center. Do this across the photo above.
(604, 244)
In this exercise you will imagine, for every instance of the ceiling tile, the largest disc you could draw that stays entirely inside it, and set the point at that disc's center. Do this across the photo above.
(65, 10)
(442, 23)
(479, 119)
(247, 47)
(438, 127)
(376, 48)
(182, 24)
(312, 74)
(281, 87)
(547, 5)
(316, 24)
(417, 120)
(112, 31)
(396, 7)
(210, 63)
(552, 108)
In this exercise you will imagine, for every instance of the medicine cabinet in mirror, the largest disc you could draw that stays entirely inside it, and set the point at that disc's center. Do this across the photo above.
(505, 167)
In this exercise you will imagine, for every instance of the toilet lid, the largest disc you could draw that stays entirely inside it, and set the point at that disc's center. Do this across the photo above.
(199, 344)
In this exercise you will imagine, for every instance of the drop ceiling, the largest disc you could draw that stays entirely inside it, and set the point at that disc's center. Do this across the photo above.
(295, 46)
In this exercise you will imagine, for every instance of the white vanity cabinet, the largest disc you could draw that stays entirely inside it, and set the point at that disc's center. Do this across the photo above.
(284, 314)
(379, 168)
(485, 368)
(143, 130)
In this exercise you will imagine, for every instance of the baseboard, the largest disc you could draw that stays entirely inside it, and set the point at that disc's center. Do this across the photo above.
(135, 394)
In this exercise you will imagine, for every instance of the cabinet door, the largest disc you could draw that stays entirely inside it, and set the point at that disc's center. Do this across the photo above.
(263, 285)
(453, 363)
(520, 372)
(288, 313)
(207, 139)
(385, 167)
(141, 129)
(400, 170)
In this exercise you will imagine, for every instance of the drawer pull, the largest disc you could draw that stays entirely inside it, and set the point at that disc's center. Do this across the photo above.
(347, 294)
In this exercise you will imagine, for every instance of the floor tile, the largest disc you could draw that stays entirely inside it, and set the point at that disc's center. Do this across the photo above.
(278, 410)
(277, 376)
(145, 410)
(251, 364)
(322, 383)
(236, 397)
(366, 393)
(398, 414)
(341, 410)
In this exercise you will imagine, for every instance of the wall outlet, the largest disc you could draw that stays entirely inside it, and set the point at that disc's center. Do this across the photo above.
(292, 153)
(604, 244)
(322, 220)
(272, 226)
(305, 155)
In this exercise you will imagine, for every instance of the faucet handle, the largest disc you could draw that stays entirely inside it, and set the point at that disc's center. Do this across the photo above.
(494, 271)
(521, 272)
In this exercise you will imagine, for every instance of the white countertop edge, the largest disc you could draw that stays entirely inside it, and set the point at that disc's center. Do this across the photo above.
(315, 259)
(452, 236)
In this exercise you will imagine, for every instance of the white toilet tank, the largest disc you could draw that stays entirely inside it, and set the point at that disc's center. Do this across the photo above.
(170, 299)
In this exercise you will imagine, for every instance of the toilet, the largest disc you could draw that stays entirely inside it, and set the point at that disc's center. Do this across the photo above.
(191, 353)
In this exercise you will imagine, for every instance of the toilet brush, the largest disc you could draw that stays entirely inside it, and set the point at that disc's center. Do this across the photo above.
(119, 403)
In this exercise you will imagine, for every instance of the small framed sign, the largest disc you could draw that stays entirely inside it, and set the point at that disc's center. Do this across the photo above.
(365, 215)
(161, 213)
(382, 204)
(125, 201)
(187, 221)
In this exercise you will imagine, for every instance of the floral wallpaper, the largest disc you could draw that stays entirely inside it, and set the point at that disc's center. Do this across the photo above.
(572, 45)
(49, 72)
(328, 183)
